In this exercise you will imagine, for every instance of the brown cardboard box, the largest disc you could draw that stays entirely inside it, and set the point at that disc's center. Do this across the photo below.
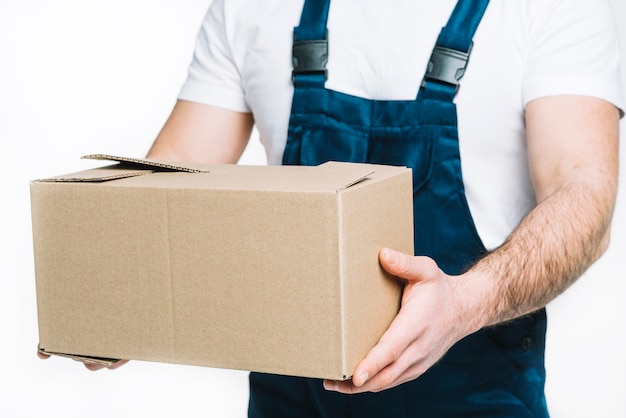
(270, 269)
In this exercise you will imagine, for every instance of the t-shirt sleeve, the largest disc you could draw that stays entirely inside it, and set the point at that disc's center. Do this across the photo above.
(573, 50)
(213, 77)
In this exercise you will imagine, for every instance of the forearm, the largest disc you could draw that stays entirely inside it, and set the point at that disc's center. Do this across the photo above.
(200, 133)
(545, 254)
(573, 154)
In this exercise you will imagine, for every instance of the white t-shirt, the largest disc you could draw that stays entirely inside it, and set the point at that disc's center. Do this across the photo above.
(523, 50)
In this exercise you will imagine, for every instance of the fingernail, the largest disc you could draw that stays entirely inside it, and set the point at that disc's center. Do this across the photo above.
(390, 256)
(330, 385)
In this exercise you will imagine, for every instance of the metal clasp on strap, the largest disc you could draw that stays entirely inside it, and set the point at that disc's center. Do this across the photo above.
(447, 65)
(310, 57)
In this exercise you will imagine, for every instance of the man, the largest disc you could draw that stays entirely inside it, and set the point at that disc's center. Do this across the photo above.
(510, 208)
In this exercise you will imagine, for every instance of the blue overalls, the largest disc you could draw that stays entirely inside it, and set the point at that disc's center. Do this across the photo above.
(496, 372)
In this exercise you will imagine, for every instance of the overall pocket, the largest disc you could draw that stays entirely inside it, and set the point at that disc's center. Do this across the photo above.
(403, 150)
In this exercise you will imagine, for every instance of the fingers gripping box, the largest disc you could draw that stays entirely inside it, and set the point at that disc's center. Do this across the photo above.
(272, 269)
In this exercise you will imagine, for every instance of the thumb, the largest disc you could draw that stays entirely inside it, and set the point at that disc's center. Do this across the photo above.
(408, 267)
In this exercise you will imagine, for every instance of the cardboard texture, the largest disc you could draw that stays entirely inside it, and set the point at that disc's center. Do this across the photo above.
(269, 269)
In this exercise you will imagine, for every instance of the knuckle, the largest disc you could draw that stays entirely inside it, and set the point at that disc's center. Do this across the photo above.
(404, 265)
(409, 266)
(428, 269)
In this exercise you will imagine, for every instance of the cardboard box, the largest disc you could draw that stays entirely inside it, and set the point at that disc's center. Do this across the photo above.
(270, 269)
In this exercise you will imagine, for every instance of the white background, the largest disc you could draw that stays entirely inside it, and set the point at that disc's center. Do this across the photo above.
(78, 77)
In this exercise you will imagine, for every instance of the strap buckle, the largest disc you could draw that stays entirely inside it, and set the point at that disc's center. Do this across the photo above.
(310, 57)
(447, 66)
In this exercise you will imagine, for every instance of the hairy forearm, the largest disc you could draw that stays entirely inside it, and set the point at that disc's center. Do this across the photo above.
(547, 252)
(573, 159)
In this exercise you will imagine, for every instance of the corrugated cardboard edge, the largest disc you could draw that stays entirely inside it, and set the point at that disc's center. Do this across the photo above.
(188, 168)
(96, 175)
(355, 181)
(341, 165)
(127, 167)
(84, 359)
(402, 175)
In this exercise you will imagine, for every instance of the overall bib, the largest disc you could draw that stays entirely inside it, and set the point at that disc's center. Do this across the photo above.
(496, 372)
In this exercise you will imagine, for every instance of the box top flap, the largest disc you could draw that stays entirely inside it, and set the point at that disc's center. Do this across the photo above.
(97, 175)
(353, 173)
(333, 177)
(151, 164)
(357, 177)
(127, 167)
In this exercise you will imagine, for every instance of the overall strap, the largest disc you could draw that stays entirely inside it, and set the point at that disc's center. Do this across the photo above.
(451, 53)
(310, 45)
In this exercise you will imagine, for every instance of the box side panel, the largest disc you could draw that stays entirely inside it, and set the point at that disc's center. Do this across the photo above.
(256, 280)
(374, 215)
(102, 271)
(226, 278)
